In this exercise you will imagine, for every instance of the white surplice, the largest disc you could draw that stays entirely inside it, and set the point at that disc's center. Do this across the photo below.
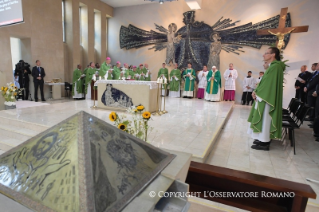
(250, 82)
(230, 83)
(202, 81)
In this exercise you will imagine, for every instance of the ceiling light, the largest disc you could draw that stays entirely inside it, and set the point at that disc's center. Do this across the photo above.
(161, 1)
(194, 4)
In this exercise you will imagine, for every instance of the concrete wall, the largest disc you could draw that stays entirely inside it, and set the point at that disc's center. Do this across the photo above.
(41, 36)
(300, 50)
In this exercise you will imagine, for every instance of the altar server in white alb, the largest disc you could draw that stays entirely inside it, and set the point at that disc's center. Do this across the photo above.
(230, 76)
(248, 88)
(202, 83)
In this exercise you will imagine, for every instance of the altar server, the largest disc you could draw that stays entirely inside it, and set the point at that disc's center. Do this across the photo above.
(90, 73)
(106, 69)
(202, 83)
(77, 91)
(163, 73)
(248, 87)
(189, 76)
(230, 76)
(175, 80)
(214, 83)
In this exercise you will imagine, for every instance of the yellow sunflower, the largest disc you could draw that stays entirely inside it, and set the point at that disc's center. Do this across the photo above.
(113, 116)
(140, 108)
(15, 94)
(135, 111)
(2, 88)
(5, 89)
(12, 85)
(122, 127)
(146, 115)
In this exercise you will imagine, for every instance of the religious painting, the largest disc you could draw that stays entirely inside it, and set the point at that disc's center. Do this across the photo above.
(113, 97)
(200, 43)
(80, 164)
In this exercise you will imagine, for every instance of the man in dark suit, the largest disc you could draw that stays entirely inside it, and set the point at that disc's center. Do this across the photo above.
(310, 89)
(22, 70)
(301, 83)
(38, 75)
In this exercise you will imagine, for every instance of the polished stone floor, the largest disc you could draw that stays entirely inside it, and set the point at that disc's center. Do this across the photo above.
(189, 126)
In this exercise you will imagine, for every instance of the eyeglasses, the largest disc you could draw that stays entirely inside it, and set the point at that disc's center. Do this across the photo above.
(268, 53)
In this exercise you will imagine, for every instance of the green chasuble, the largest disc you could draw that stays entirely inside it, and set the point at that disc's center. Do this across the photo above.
(140, 71)
(88, 78)
(214, 84)
(127, 73)
(148, 78)
(270, 91)
(189, 84)
(174, 84)
(116, 73)
(132, 74)
(163, 71)
(104, 68)
(79, 84)
(85, 70)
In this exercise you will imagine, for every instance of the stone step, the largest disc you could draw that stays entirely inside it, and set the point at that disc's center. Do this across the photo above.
(19, 135)
(20, 124)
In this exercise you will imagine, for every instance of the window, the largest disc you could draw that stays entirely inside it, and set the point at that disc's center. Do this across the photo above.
(63, 20)
(80, 22)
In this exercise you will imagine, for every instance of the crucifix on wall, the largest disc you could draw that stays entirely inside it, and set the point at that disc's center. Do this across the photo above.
(281, 31)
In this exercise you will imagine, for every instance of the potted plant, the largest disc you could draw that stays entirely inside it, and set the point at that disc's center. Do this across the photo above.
(10, 92)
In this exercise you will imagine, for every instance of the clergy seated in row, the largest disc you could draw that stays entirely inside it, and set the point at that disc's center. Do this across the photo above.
(266, 114)
(175, 82)
(249, 84)
(78, 81)
(202, 82)
(90, 73)
(163, 73)
(214, 83)
(230, 76)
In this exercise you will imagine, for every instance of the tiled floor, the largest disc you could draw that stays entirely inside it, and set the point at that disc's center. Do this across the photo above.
(190, 125)
(232, 150)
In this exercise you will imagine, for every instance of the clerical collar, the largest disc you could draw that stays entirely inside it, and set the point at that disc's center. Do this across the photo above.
(248, 76)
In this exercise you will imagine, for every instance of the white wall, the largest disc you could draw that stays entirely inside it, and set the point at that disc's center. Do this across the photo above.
(301, 50)
(15, 51)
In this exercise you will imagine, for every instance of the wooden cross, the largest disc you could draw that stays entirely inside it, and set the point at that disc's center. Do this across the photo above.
(282, 30)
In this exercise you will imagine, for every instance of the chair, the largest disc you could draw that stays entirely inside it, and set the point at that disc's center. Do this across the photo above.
(293, 110)
(290, 126)
(287, 110)
(68, 89)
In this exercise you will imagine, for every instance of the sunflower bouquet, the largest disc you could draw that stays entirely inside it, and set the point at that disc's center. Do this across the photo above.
(10, 92)
(138, 126)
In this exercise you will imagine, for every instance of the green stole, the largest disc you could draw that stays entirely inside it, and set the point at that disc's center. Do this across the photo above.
(212, 85)
(88, 78)
(270, 90)
(79, 84)
(189, 84)
(174, 84)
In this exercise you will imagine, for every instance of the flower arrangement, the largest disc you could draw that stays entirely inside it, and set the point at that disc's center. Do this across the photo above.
(137, 127)
(10, 92)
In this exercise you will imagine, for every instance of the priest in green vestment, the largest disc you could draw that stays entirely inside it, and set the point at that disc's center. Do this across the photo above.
(175, 81)
(88, 78)
(126, 71)
(147, 72)
(163, 72)
(189, 76)
(140, 70)
(133, 74)
(266, 114)
(106, 69)
(214, 83)
(117, 71)
(77, 82)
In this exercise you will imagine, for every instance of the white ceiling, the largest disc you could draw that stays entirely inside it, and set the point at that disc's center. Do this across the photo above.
(124, 3)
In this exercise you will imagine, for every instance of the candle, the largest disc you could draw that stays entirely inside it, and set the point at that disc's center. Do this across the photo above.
(94, 77)
(105, 78)
(158, 80)
(161, 80)
(165, 81)
(100, 78)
